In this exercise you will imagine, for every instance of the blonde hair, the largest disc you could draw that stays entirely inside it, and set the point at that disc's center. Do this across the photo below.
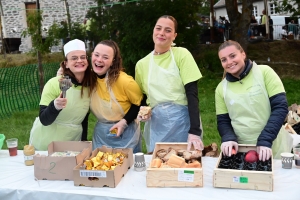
(231, 43)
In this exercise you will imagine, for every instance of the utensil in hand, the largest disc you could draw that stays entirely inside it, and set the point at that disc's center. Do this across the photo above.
(64, 84)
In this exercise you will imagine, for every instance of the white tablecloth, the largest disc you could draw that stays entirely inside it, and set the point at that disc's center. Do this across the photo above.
(17, 182)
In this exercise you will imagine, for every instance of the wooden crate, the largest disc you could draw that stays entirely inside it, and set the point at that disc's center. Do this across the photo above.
(173, 177)
(243, 179)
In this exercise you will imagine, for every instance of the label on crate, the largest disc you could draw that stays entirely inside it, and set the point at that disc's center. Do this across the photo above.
(186, 175)
(240, 179)
(88, 173)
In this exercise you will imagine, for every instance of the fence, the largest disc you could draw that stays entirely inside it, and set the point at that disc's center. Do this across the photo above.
(19, 87)
(278, 32)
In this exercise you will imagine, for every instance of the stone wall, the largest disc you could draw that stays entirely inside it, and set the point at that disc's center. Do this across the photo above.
(14, 17)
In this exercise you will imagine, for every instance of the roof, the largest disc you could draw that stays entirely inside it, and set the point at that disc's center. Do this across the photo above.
(221, 3)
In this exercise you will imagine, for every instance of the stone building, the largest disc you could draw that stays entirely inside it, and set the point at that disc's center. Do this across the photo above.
(13, 18)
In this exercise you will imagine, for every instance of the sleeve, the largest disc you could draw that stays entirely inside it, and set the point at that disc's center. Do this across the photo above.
(191, 90)
(133, 92)
(50, 92)
(221, 107)
(85, 127)
(189, 71)
(133, 111)
(273, 82)
(225, 128)
(279, 110)
(48, 114)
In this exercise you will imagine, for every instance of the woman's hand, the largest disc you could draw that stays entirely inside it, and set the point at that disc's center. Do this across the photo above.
(264, 153)
(196, 141)
(120, 126)
(226, 147)
(60, 103)
(60, 71)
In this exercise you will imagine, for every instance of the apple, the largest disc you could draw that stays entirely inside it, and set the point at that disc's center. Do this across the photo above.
(233, 151)
(251, 156)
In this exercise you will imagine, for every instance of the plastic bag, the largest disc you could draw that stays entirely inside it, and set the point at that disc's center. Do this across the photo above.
(283, 143)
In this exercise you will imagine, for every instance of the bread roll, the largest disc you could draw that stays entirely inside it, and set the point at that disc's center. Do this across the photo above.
(145, 110)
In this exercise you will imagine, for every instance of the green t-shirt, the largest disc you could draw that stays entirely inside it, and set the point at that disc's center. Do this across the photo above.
(188, 69)
(272, 81)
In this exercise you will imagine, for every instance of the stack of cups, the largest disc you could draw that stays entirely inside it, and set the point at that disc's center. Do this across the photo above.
(296, 151)
(287, 160)
(139, 162)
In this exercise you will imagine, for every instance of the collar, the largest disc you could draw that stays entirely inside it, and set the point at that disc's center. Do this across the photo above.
(101, 76)
(248, 67)
(75, 82)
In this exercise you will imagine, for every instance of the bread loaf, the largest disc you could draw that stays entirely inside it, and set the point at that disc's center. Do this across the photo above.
(145, 110)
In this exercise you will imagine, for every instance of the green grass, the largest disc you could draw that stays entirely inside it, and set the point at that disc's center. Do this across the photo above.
(19, 124)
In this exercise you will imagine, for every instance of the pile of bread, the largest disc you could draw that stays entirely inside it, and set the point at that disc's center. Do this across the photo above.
(172, 158)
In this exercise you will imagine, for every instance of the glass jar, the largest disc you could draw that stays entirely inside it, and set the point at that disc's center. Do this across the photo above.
(28, 152)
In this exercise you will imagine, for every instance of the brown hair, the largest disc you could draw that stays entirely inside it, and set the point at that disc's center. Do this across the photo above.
(231, 43)
(89, 79)
(117, 63)
(172, 19)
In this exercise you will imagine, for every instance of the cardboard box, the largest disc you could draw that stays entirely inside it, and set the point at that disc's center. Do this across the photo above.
(243, 179)
(60, 168)
(173, 177)
(98, 178)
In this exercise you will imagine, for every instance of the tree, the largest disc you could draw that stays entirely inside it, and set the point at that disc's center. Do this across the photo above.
(290, 6)
(239, 21)
(39, 45)
(131, 24)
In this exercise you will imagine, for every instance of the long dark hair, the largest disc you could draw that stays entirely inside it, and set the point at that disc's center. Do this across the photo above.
(117, 63)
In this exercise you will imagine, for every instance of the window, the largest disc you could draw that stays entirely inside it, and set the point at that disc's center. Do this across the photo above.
(254, 11)
(272, 7)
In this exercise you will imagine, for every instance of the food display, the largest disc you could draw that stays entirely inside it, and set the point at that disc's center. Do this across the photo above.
(65, 154)
(244, 170)
(173, 166)
(245, 161)
(172, 158)
(105, 161)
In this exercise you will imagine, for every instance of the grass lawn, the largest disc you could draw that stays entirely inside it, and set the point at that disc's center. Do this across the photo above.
(19, 124)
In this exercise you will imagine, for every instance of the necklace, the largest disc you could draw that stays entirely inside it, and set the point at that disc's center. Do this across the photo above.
(157, 53)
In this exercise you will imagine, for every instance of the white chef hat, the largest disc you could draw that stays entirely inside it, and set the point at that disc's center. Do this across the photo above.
(74, 45)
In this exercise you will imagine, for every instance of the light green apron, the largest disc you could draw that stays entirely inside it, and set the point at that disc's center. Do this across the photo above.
(67, 126)
(250, 111)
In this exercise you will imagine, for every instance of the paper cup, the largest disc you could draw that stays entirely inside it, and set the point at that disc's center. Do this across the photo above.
(12, 145)
(287, 160)
(296, 151)
(139, 162)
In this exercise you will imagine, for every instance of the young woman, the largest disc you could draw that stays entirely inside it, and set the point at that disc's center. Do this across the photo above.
(116, 100)
(251, 104)
(168, 76)
(65, 119)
